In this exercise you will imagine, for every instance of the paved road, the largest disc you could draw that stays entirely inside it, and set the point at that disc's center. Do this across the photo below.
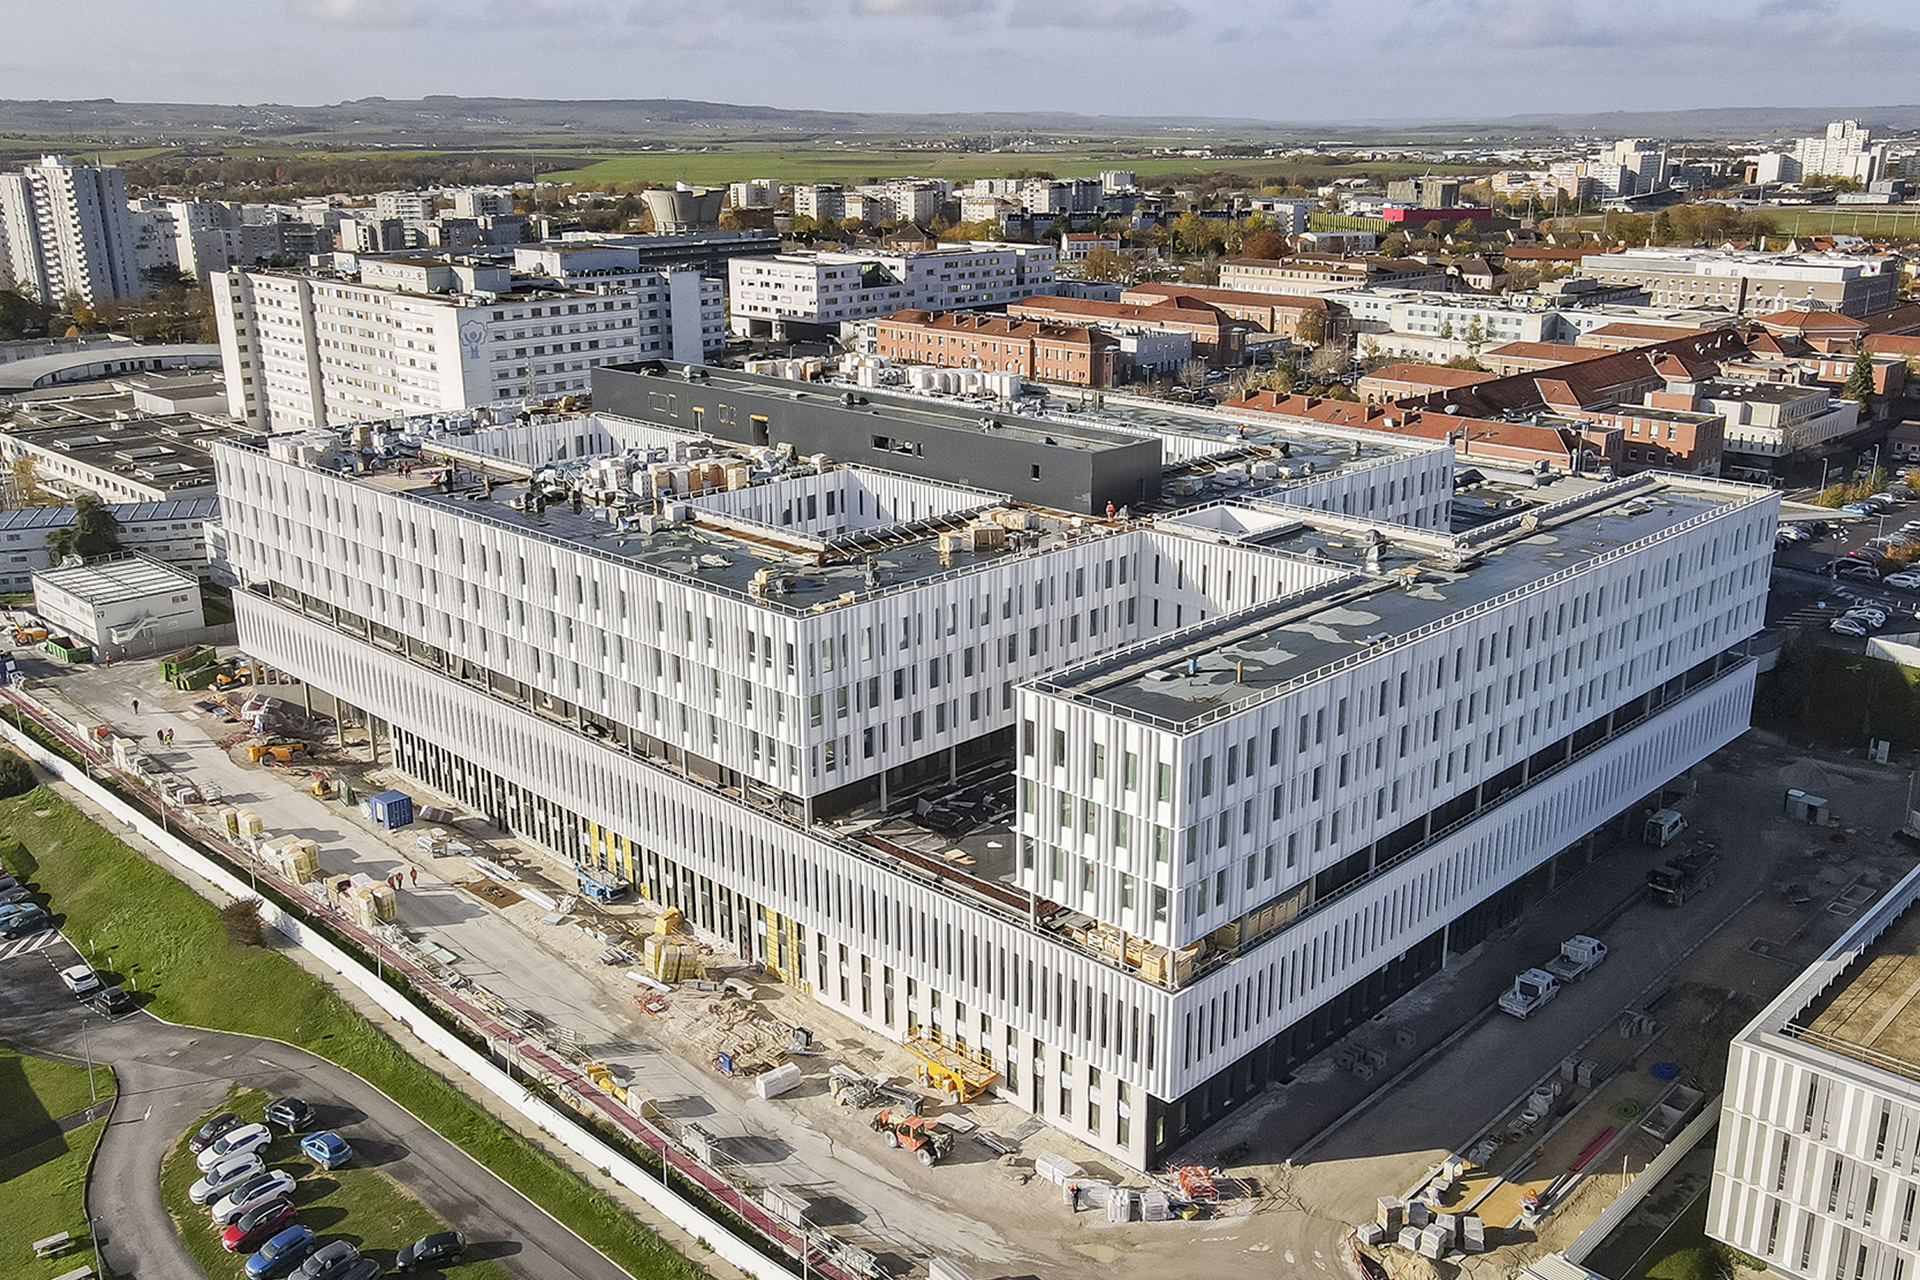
(170, 1075)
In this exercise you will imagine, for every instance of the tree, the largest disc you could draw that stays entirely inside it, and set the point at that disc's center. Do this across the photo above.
(21, 316)
(94, 532)
(16, 775)
(1192, 374)
(1311, 327)
(1264, 243)
(241, 921)
(1107, 264)
(1474, 335)
(1859, 385)
(1330, 360)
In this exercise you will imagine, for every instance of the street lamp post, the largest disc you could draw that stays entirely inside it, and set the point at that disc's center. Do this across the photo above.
(86, 1050)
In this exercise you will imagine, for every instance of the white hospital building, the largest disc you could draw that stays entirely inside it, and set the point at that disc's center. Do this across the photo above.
(1207, 789)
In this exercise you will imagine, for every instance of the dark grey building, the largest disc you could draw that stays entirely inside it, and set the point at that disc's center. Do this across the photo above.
(1072, 467)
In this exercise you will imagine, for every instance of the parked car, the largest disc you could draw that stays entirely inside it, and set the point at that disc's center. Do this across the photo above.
(328, 1261)
(244, 1140)
(1867, 613)
(257, 1226)
(279, 1256)
(222, 1123)
(290, 1114)
(437, 1250)
(224, 1177)
(112, 1001)
(22, 918)
(1847, 627)
(9, 882)
(251, 1195)
(18, 894)
(328, 1150)
(1856, 509)
(359, 1269)
(1906, 580)
(80, 979)
(1859, 570)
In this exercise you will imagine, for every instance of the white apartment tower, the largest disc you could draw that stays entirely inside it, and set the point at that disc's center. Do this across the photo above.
(1846, 150)
(66, 230)
(303, 349)
(1267, 762)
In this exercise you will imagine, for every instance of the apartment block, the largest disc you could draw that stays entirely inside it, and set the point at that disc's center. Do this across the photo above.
(304, 349)
(1325, 273)
(800, 294)
(65, 229)
(1002, 344)
(1267, 764)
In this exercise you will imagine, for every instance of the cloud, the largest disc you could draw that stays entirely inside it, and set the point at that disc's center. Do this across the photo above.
(1142, 17)
(922, 8)
(357, 13)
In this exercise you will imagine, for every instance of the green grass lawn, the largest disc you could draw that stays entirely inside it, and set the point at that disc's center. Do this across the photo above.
(362, 1206)
(167, 943)
(42, 1193)
(1684, 1251)
(35, 1091)
(43, 1188)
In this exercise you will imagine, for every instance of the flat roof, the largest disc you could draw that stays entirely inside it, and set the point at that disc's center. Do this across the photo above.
(163, 450)
(1874, 1009)
(1250, 656)
(25, 375)
(133, 577)
(714, 557)
(1087, 436)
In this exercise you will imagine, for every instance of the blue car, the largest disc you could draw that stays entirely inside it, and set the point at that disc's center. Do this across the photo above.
(328, 1150)
(280, 1255)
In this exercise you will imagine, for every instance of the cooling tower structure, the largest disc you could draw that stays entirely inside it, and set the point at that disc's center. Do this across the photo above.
(684, 208)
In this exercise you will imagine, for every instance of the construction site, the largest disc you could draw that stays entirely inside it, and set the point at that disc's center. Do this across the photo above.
(1471, 1124)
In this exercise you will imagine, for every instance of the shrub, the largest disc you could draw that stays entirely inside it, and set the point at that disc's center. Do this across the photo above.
(241, 920)
(16, 775)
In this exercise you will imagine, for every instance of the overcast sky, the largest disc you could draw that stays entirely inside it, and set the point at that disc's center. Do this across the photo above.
(1267, 59)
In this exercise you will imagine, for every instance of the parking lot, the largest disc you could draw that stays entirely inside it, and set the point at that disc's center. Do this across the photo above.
(170, 1076)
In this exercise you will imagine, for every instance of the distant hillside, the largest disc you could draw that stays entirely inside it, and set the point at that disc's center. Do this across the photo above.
(477, 122)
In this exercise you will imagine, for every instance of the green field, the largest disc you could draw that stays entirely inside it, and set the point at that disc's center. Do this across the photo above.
(858, 164)
(1864, 220)
(43, 1187)
(166, 942)
(358, 1205)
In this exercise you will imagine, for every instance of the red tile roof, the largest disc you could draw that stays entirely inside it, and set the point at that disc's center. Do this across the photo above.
(1558, 352)
(1226, 297)
(1430, 375)
(1822, 322)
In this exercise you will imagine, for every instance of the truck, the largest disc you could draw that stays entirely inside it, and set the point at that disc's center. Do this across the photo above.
(1578, 954)
(1530, 993)
(1662, 826)
(1673, 883)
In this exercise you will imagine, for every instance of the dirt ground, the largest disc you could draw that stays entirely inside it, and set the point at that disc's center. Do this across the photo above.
(1315, 1165)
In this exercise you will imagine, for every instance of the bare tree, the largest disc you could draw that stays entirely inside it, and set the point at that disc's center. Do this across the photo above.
(1192, 374)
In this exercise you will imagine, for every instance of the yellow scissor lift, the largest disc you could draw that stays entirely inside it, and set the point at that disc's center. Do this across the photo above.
(960, 1072)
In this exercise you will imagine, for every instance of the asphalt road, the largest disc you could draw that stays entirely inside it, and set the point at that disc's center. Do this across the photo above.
(170, 1075)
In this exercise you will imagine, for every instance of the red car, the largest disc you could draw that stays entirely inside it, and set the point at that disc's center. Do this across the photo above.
(256, 1228)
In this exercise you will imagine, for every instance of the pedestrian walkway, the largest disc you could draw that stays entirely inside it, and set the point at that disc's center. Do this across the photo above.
(29, 944)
